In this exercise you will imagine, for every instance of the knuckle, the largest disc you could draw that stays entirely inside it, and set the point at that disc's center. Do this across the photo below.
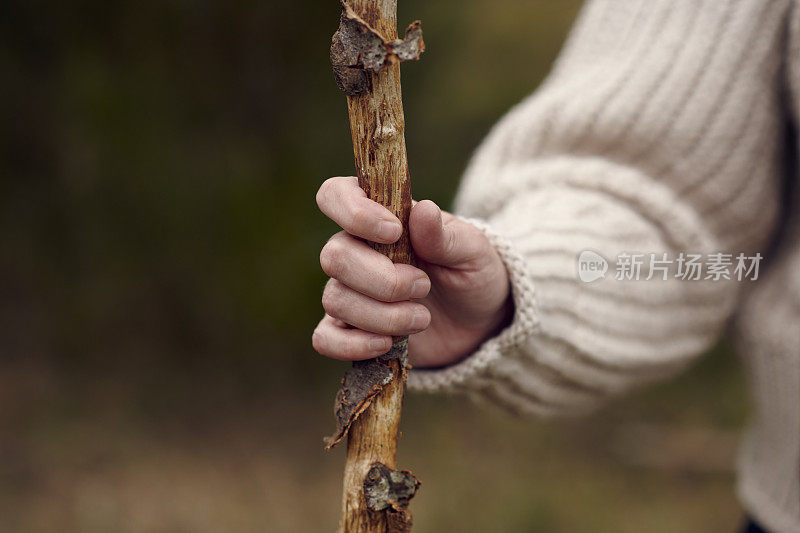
(398, 320)
(450, 241)
(332, 298)
(348, 345)
(323, 193)
(331, 257)
(393, 285)
(318, 341)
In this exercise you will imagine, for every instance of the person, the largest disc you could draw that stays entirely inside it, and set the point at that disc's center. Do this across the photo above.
(664, 131)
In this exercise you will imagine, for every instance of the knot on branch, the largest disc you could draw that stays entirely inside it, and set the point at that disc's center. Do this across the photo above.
(385, 488)
(356, 47)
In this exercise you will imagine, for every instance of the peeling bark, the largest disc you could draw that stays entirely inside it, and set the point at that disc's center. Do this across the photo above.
(365, 54)
(360, 384)
(356, 46)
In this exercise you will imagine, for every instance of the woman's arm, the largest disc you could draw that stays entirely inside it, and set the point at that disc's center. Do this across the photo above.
(657, 132)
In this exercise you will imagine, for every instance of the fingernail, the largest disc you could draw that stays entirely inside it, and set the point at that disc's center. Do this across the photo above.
(378, 344)
(389, 231)
(420, 319)
(420, 288)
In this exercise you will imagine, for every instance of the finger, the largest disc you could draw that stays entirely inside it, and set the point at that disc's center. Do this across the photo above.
(441, 238)
(332, 338)
(361, 268)
(344, 202)
(368, 314)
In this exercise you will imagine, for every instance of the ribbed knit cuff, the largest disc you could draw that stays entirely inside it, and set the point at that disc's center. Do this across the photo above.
(467, 374)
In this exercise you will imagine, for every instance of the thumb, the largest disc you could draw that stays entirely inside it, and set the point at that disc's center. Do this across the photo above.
(438, 238)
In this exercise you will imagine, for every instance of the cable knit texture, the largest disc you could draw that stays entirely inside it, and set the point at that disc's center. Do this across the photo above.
(661, 128)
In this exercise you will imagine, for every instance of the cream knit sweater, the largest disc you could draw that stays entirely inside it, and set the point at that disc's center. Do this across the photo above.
(662, 128)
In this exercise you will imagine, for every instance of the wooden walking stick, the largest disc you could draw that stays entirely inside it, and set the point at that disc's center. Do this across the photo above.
(365, 53)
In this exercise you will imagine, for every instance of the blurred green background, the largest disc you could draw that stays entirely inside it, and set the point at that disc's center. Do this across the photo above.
(159, 283)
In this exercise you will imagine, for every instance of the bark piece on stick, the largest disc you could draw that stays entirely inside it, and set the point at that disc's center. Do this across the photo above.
(384, 487)
(356, 47)
(360, 384)
(390, 491)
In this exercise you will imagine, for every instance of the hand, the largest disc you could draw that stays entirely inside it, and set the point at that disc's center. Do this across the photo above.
(457, 298)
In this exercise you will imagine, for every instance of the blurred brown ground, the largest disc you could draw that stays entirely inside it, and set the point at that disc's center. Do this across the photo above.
(159, 282)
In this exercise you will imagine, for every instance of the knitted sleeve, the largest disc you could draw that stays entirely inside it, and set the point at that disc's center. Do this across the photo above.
(658, 131)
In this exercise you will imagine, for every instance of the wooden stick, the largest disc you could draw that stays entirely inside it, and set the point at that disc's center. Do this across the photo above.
(369, 403)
